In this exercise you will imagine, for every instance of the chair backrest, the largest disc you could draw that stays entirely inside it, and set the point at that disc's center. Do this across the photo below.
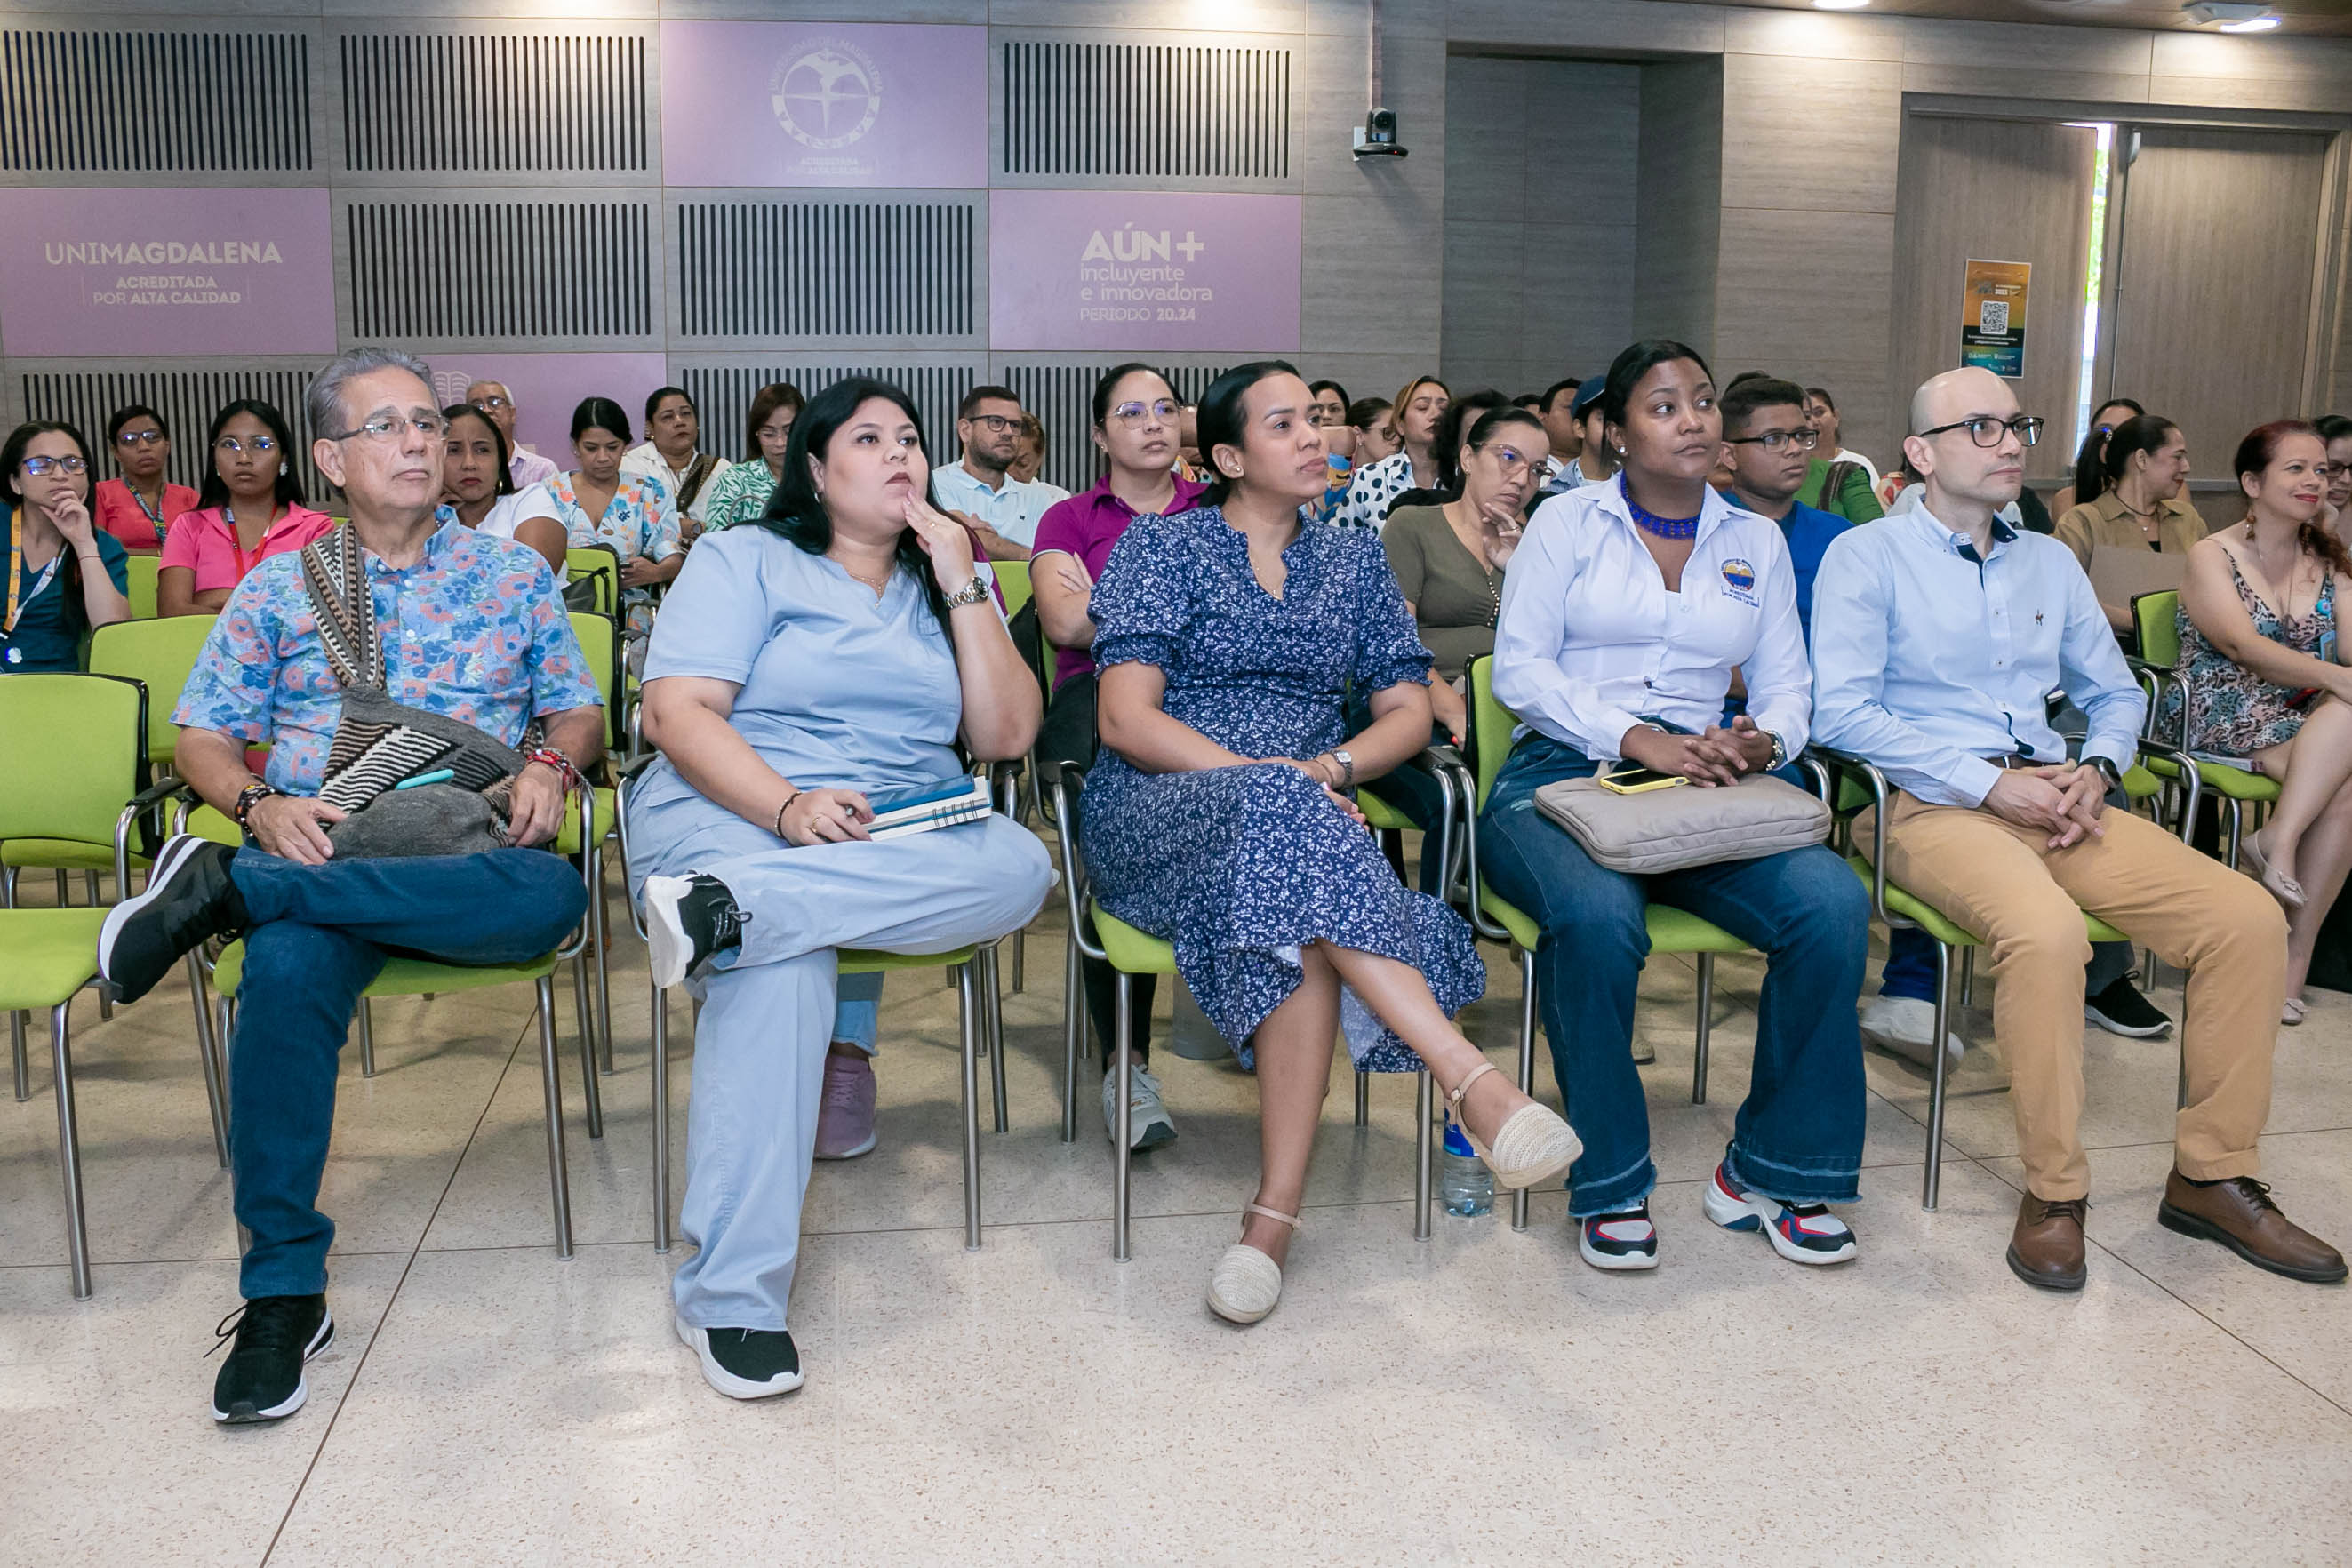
(603, 651)
(1491, 724)
(2157, 616)
(1012, 581)
(601, 561)
(142, 570)
(71, 763)
(160, 654)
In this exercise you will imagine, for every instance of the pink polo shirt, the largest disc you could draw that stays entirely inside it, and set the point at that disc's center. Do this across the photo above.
(205, 541)
(1086, 526)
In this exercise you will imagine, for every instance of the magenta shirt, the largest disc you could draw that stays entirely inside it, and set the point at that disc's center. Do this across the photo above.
(1086, 526)
(206, 543)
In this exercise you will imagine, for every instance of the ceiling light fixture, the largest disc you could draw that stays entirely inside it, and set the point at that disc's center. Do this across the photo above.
(2233, 15)
(1839, 5)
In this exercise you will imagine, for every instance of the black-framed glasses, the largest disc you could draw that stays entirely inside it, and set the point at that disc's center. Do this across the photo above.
(41, 466)
(139, 437)
(1133, 413)
(232, 444)
(997, 423)
(1987, 431)
(1777, 440)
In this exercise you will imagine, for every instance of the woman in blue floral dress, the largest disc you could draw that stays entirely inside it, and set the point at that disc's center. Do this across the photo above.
(1229, 637)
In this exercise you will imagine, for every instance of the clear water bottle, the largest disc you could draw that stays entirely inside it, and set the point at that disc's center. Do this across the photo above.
(1464, 1186)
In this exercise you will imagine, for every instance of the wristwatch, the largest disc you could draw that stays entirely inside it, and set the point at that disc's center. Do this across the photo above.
(2107, 771)
(972, 592)
(1346, 767)
(1780, 751)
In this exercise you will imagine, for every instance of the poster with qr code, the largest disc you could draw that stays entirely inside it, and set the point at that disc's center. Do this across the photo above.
(1993, 316)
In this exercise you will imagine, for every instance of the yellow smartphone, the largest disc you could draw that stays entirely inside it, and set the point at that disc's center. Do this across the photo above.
(1638, 781)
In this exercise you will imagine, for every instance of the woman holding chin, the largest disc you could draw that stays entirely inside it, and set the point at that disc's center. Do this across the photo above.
(1227, 639)
(844, 643)
(1627, 608)
(66, 574)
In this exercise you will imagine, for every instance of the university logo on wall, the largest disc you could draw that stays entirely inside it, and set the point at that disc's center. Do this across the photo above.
(826, 96)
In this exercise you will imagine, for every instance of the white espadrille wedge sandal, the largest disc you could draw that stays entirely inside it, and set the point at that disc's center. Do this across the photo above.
(1535, 1145)
(1247, 1283)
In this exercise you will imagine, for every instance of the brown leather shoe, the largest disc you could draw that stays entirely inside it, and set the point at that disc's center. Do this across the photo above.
(2240, 1215)
(2046, 1248)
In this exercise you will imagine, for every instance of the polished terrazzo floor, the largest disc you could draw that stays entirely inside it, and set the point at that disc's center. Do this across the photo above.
(1482, 1397)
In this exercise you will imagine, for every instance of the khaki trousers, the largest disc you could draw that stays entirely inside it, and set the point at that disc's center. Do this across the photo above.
(2026, 900)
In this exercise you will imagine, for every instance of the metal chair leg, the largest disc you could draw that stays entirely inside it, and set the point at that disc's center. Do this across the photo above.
(2236, 815)
(1020, 958)
(69, 1150)
(969, 989)
(1074, 1035)
(367, 1038)
(598, 912)
(661, 1118)
(580, 993)
(559, 1178)
(1705, 1027)
(1424, 1153)
(993, 1022)
(1363, 1097)
(591, 1091)
(17, 1057)
(1122, 1050)
(208, 1054)
(1527, 1061)
(89, 886)
(2181, 1098)
(1935, 1179)
(1968, 977)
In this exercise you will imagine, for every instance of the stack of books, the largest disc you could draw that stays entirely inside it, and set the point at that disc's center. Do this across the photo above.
(950, 804)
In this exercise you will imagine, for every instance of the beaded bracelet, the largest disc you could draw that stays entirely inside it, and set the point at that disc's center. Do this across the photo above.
(784, 808)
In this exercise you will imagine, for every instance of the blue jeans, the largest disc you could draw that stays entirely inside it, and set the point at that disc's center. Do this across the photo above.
(317, 936)
(1798, 1136)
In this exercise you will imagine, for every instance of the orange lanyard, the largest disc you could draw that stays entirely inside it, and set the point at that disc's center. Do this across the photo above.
(245, 563)
(17, 571)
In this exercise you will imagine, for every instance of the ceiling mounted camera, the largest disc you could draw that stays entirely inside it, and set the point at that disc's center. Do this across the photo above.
(1376, 136)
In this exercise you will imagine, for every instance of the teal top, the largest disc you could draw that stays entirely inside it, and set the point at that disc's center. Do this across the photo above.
(50, 620)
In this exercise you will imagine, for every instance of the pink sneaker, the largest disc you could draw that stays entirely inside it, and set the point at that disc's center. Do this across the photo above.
(844, 1124)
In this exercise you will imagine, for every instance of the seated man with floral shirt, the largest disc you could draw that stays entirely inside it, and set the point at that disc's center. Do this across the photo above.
(470, 628)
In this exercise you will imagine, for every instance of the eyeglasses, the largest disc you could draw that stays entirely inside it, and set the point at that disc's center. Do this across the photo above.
(1133, 413)
(998, 422)
(1987, 431)
(40, 467)
(493, 403)
(232, 445)
(1511, 460)
(385, 427)
(1777, 440)
(139, 437)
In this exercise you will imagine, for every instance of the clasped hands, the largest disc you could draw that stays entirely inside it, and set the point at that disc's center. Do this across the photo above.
(1718, 756)
(2066, 800)
(1326, 771)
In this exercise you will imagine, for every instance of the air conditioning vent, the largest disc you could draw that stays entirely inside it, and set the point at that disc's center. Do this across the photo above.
(828, 269)
(1146, 110)
(131, 101)
(494, 102)
(187, 399)
(501, 269)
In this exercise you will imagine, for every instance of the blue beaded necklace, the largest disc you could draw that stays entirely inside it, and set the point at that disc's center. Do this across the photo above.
(1650, 522)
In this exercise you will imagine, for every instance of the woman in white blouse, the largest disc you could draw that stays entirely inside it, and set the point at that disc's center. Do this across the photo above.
(1627, 608)
(477, 484)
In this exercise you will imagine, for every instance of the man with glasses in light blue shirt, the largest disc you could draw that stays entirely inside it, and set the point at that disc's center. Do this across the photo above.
(1003, 510)
(1935, 635)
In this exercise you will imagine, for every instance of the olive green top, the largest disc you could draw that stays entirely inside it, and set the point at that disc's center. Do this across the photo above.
(2107, 524)
(1454, 596)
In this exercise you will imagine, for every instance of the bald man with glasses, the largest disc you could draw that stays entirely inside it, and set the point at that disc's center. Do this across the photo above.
(1935, 635)
(494, 399)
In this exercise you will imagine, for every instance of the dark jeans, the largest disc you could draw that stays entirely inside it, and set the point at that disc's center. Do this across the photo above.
(1414, 792)
(1068, 734)
(1910, 968)
(1798, 1136)
(318, 936)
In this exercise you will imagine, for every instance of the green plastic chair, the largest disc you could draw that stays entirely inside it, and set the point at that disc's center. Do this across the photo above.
(1130, 952)
(601, 648)
(2159, 669)
(1671, 931)
(46, 957)
(426, 977)
(1012, 581)
(980, 1025)
(142, 571)
(603, 562)
(161, 654)
(1900, 910)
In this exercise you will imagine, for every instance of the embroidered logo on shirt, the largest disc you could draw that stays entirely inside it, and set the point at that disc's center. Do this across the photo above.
(1740, 575)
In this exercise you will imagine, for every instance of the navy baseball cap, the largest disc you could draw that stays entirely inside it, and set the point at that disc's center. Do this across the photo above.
(1586, 396)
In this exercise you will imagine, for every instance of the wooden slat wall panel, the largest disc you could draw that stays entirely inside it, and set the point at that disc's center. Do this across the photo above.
(1153, 110)
(130, 101)
(494, 102)
(894, 269)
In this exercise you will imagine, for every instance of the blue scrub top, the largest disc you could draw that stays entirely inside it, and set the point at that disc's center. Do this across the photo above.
(839, 690)
(51, 623)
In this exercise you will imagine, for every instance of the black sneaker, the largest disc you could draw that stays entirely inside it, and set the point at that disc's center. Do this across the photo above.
(2120, 1009)
(190, 898)
(688, 919)
(262, 1378)
(1618, 1241)
(744, 1363)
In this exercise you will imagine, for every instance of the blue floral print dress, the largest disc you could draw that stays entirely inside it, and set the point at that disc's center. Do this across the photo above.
(1239, 866)
(2231, 710)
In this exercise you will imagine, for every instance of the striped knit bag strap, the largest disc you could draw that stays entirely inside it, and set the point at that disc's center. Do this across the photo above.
(337, 580)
